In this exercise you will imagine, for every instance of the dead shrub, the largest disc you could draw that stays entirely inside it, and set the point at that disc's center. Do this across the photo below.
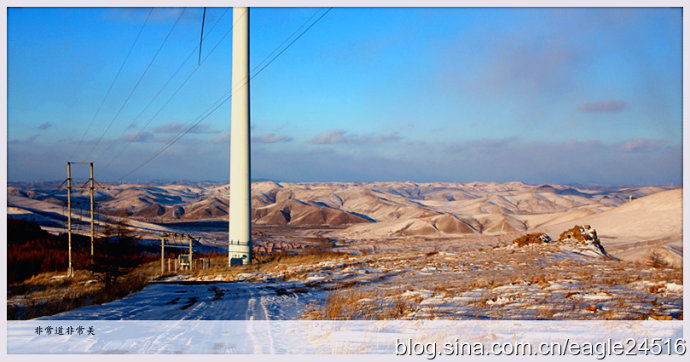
(656, 260)
(658, 289)
(49, 294)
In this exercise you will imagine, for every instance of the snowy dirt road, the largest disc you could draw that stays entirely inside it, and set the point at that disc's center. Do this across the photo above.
(206, 301)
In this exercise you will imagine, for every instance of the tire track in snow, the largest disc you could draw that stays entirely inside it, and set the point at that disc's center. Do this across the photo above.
(219, 301)
(268, 333)
(250, 317)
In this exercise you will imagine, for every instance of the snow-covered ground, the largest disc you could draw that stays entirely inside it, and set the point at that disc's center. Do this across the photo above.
(380, 337)
(209, 301)
(211, 314)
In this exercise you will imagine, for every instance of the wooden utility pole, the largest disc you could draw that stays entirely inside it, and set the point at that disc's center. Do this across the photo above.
(190, 253)
(69, 218)
(163, 255)
(70, 269)
(92, 222)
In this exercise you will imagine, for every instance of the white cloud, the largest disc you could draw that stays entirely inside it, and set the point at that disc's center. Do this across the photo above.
(338, 136)
(271, 138)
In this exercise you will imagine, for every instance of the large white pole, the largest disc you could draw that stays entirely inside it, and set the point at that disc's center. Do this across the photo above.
(239, 248)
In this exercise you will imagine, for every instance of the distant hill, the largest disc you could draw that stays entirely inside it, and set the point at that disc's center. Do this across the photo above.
(376, 209)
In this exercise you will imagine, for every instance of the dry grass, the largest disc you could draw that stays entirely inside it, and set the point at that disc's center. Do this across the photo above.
(546, 311)
(51, 293)
(289, 267)
(341, 304)
(656, 260)
(357, 303)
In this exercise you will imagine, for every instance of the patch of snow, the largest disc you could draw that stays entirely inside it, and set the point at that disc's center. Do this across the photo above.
(674, 288)
(508, 288)
(311, 277)
(596, 296)
(413, 293)
(432, 300)
(366, 270)
(500, 300)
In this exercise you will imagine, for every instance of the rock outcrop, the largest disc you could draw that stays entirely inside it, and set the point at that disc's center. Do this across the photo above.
(585, 235)
(534, 238)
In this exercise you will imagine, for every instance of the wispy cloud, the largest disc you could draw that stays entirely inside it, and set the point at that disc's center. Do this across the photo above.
(602, 107)
(158, 15)
(45, 126)
(483, 144)
(224, 138)
(25, 141)
(138, 137)
(338, 136)
(177, 127)
(492, 143)
(271, 138)
(525, 160)
(642, 145)
(639, 145)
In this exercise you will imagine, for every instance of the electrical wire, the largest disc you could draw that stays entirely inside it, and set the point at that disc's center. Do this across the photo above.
(201, 39)
(107, 93)
(189, 76)
(129, 96)
(189, 56)
(227, 96)
(286, 40)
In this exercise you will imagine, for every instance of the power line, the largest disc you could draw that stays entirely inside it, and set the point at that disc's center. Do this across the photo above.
(129, 96)
(159, 93)
(107, 93)
(187, 79)
(286, 40)
(289, 45)
(217, 104)
(201, 40)
(227, 96)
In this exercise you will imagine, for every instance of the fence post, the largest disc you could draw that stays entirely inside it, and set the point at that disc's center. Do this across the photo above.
(190, 254)
(162, 255)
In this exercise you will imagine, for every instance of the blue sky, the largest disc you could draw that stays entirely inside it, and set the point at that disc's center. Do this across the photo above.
(562, 95)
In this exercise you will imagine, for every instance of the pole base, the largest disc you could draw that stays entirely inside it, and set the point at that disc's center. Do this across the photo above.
(239, 253)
